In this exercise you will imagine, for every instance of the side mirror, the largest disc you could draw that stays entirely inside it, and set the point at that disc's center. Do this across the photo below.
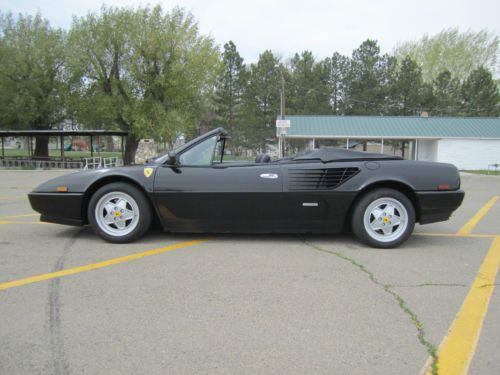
(172, 158)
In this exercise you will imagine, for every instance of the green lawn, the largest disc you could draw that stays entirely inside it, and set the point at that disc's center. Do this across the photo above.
(56, 154)
(491, 172)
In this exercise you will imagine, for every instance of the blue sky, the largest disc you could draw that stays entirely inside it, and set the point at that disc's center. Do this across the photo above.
(292, 26)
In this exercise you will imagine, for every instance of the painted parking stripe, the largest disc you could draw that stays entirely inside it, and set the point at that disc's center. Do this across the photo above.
(471, 224)
(17, 216)
(14, 197)
(432, 234)
(457, 348)
(16, 222)
(94, 266)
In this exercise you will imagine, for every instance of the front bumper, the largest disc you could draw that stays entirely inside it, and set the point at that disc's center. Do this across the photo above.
(59, 208)
(438, 205)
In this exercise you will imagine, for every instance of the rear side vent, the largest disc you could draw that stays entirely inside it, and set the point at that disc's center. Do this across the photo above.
(319, 179)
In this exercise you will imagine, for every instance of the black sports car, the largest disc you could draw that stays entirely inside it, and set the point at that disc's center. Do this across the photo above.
(193, 189)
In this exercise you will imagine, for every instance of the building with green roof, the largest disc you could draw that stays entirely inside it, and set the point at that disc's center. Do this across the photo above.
(467, 142)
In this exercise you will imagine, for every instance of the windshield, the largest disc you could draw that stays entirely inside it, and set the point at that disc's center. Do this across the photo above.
(201, 154)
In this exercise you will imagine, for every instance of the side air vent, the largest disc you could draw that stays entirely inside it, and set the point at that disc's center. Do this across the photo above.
(319, 179)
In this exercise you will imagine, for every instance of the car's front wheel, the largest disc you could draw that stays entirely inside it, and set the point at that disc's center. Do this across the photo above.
(119, 212)
(383, 218)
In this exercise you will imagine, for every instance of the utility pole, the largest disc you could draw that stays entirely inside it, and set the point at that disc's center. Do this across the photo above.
(282, 130)
(282, 125)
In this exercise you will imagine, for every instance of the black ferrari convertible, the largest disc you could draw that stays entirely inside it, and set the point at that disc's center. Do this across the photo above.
(194, 189)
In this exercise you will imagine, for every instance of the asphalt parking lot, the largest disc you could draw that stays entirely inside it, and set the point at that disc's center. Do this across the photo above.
(71, 303)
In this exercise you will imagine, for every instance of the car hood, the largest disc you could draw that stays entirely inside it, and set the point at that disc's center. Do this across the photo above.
(79, 182)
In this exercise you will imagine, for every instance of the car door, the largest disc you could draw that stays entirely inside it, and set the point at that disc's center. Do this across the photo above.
(196, 195)
(311, 197)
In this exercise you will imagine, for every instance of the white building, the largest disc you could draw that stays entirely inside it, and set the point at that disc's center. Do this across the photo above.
(467, 142)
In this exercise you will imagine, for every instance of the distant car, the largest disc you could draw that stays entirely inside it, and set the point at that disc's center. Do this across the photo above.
(193, 189)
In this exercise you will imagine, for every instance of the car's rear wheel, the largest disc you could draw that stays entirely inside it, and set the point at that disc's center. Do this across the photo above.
(119, 212)
(383, 218)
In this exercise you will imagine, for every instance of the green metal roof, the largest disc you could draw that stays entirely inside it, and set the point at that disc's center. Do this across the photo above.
(392, 127)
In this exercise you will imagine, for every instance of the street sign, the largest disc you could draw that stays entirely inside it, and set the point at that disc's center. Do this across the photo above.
(282, 123)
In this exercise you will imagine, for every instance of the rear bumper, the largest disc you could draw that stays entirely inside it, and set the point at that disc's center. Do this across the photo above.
(59, 208)
(438, 205)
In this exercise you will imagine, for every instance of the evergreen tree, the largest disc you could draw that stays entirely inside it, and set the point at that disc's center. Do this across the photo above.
(337, 70)
(307, 92)
(262, 99)
(389, 86)
(447, 98)
(407, 89)
(364, 90)
(230, 90)
(480, 94)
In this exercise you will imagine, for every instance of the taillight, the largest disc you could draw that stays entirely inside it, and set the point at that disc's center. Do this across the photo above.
(443, 187)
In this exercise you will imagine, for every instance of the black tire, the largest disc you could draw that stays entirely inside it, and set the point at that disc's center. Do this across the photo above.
(390, 235)
(130, 201)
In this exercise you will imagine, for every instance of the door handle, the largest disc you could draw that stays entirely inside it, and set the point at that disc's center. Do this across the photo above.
(272, 176)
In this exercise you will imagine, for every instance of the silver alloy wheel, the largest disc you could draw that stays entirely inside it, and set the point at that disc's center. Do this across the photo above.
(385, 219)
(117, 214)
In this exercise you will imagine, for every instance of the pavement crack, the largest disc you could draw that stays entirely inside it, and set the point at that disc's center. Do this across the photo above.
(424, 285)
(430, 348)
(60, 363)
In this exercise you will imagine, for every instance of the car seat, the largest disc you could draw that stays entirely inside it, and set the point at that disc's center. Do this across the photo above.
(262, 158)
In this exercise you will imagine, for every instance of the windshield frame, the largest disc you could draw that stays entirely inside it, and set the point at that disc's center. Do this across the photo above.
(181, 149)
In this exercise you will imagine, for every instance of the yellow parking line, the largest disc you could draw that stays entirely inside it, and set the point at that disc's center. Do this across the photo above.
(4, 222)
(16, 216)
(7, 198)
(93, 266)
(458, 347)
(471, 224)
(430, 234)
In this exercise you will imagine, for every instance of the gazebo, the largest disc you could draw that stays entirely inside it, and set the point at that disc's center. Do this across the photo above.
(29, 135)
(61, 134)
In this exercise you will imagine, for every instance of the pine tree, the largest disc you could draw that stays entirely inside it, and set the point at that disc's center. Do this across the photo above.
(364, 90)
(337, 69)
(480, 94)
(407, 90)
(307, 92)
(262, 99)
(230, 90)
(446, 90)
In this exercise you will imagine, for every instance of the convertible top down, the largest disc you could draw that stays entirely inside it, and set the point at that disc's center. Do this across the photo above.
(194, 189)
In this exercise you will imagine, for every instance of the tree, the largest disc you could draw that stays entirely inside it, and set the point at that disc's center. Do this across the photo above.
(365, 83)
(145, 71)
(407, 90)
(337, 68)
(262, 99)
(389, 86)
(460, 53)
(230, 90)
(480, 94)
(447, 95)
(32, 84)
(307, 90)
